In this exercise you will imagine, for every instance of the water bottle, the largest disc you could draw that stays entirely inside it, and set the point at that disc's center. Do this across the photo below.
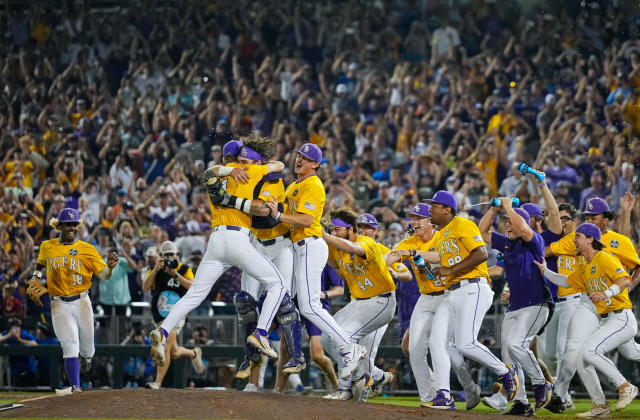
(515, 202)
(423, 266)
(524, 168)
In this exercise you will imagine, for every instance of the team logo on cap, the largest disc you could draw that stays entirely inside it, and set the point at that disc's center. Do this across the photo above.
(416, 209)
(306, 148)
(73, 252)
(70, 215)
(614, 244)
(593, 269)
(589, 205)
(243, 152)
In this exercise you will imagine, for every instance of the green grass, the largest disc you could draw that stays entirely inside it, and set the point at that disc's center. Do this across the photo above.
(631, 412)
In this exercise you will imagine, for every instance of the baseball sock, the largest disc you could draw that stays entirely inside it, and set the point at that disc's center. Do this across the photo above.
(262, 332)
(72, 368)
(164, 332)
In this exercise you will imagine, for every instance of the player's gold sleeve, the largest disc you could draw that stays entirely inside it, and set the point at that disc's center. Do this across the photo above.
(576, 281)
(627, 252)
(94, 262)
(469, 235)
(311, 199)
(564, 245)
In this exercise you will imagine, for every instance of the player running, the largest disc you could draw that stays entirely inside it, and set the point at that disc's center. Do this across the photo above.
(603, 278)
(69, 265)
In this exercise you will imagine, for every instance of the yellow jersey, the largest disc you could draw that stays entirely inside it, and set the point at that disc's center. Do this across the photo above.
(366, 276)
(597, 276)
(269, 190)
(69, 266)
(221, 216)
(306, 196)
(614, 243)
(454, 243)
(425, 285)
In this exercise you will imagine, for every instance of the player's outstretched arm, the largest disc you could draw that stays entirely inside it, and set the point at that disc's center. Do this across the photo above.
(485, 224)
(555, 278)
(344, 245)
(275, 166)
(35, 289)
(112, 261)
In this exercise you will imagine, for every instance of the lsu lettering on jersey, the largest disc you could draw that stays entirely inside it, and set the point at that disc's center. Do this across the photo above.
(566, 261)
(230, 216)
(272, 190)
(426, 286)
(399, 267)
(69, 266)
(614, 243)
(597, 276)
(366, 276)
(454, 243)
(308, 197)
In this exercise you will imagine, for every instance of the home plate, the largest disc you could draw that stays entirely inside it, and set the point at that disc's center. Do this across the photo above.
(9, 406)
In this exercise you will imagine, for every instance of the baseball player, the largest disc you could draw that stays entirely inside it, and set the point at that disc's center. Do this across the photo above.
(597, 211)
(528, 300)
(69, 264)
(362, 264)
(604, 279)
(304, 205)
(432, 293)
(462, 257)
(231, 234)
(168, 281)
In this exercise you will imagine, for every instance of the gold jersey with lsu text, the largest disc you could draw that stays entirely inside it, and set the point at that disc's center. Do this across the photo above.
(566, 257)
(426, 286)
(454, 242)
(69, 267)
(366, 276)
(221, 216)
(398, 266)
(597, 276)
(272, 190)
(306, 196)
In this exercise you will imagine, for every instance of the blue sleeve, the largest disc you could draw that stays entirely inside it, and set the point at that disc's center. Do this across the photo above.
(26, 335)
(498, 241)
(333, 278)
(536, 245)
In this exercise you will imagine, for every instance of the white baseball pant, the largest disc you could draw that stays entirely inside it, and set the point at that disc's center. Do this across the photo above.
(358, 319)
(309, 258)
(614, 330)
(73, 325)
(420, 328)
(519, 327)
(280, 254)
(465, 308)
(371, 342)
(230, 248)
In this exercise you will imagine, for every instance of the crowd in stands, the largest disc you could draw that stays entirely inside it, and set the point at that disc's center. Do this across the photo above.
(117, 111)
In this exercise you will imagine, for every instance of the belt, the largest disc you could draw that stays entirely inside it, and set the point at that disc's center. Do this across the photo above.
(611, 313)
(306, 240)
(70, 298)
(236, 228)
(569, 297)
(439, 293)
(465, 282)
(269, 242)
(384, 295)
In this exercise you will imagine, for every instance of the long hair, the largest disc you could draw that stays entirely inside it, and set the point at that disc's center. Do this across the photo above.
(263, 145)
(346, 215)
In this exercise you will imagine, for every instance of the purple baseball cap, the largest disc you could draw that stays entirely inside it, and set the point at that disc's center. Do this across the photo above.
(523, 213)
(589, 229)
(311, 151)
(249, 153)
(421, 210)
(445, 198)
(367, 219)
(596, 205)
(68, 215)
(534, 210)
(231, 148)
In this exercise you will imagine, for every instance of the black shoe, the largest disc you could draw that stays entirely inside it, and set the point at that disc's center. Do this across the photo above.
(520, 409)
(556, 405)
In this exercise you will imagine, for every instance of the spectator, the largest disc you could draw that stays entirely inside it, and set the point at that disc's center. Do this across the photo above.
(23, 368)
(191, 243)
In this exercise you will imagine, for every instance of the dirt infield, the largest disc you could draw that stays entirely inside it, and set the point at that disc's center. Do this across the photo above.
(174, 403)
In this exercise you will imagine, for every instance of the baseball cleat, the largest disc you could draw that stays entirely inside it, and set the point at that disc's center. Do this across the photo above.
(244, 370)
(67, 391)
(376, 388)
(152, 385)
(521, 409)
(85, 364)
(510, 382)
(157, 347)
(543, 394)
(556, 405)
(472, 397)
(294, 365)
(350, 360)
(440, 402)
(198, 366)
(262, 344)
(597, 410)
(303, 390)
(497, 401)
(340, 395)
(250, 388)
(626, 393)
